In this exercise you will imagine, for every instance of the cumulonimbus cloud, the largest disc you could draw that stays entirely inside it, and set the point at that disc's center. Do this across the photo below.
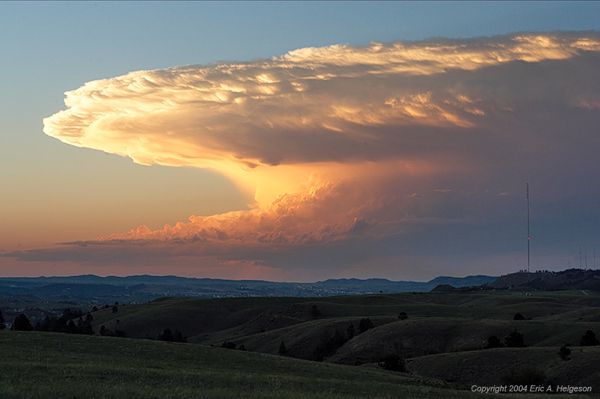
(309, 105)
(338, 139)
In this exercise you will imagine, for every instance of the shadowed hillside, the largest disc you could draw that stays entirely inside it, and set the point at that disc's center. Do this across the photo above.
(571, 279)
(498, 366)
(358, 330)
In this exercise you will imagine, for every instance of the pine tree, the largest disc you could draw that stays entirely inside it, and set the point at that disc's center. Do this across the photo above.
(166, 335)
(589, 339)
(22, 323)
(350, 331)
(282, 349)
(315, 312)
(364, 325)
(565, 352)
(494, 342)
(514, 340)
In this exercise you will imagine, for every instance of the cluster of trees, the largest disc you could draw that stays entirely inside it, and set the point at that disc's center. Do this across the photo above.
(331, 343)
(72, 321)
(519, 316)
(513, 340)
(21, 323)
(171, 336)
(105, 332)
(315, 313)
(589, 339)
(393, 362)
(2, 325)
(232, 345)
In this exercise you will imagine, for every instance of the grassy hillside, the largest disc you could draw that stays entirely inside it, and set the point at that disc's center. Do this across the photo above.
(203, 316)
(494, 366)
(437, 322)
(423, 336)
(45, 365)
(451, 324)
(442, 339)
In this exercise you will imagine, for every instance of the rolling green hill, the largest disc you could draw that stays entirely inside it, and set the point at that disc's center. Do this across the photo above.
(452, 325)
(424, 336)
(437, 322)
(38, 365)
(494, 366)
(442, 339)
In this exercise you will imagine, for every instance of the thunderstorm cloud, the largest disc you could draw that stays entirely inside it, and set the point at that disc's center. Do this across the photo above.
(353, 155)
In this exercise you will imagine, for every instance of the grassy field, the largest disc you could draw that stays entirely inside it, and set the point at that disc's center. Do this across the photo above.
(38, 365)
(44, 365)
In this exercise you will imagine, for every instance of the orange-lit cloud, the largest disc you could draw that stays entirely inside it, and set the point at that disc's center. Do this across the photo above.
(341, 141)
(308, 105)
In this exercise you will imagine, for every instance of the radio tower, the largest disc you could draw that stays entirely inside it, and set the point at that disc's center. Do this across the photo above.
(528, 234)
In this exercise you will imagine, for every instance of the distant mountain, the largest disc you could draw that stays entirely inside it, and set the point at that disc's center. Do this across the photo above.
(571, 279)
(144, 287)
(459, 282)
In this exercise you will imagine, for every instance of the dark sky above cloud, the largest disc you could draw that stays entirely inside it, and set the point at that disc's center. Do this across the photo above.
(398, 160)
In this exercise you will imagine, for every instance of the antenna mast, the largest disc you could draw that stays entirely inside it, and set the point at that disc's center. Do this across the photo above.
(528, 234)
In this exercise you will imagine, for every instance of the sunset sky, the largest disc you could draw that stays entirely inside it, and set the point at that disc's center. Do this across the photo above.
(298, 141)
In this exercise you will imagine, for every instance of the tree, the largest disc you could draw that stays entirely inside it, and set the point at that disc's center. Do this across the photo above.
(22, 323)
(282, 349)
(166, 335)
(2, 325)
(402, 316)
(71, 327)
(564, 352)
(115, 309)
(315, 312)
(228, 345)
(493, 342)
(514, 340)
(103, 330)
(393, 362)
(337, 340)
(350, 331)
(365, 324)
(589, 339)
(84, 326)
(178, 337)
(45, 324)
(518, 316)
(328, 345)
